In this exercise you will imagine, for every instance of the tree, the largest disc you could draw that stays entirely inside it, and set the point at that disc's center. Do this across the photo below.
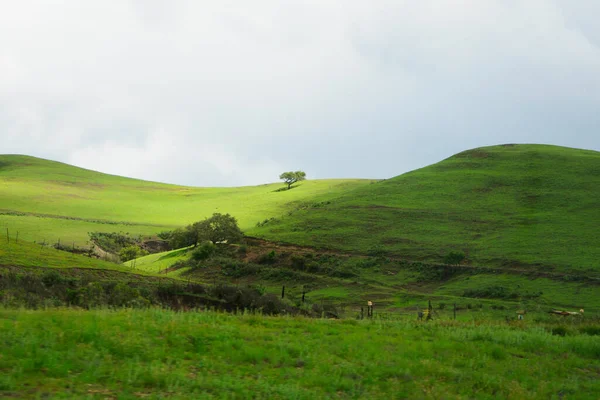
(219, 229)
(292, 177)
(131, 252)
(184, 237)
(204, 251)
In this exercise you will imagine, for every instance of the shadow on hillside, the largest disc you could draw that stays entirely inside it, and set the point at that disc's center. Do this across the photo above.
(285, 188)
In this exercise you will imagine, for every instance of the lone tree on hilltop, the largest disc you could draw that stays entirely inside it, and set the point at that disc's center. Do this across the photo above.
(292, 177)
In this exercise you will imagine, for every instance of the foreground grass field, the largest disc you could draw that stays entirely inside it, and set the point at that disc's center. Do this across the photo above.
(47, 200)
(514, 205)
(157, 354)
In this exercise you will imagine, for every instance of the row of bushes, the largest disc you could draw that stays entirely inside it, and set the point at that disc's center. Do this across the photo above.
(500, 292)
(51, 288)
(207, 254)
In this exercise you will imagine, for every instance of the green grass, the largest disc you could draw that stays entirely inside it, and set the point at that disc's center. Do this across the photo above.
(57, 191)
(518, 205)
(26, 254)
(158, 262)
(68, 231)
(556, 293)
(347, 282)
(156, 354)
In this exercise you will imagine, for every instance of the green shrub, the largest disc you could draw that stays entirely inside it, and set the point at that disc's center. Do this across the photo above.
(51, 278)
(592, 330)
(560, 330)
(164, 235)
(112, 242)
(204, 251)
(298, 262)
(454, 258)
(131, 252)
(267, 258)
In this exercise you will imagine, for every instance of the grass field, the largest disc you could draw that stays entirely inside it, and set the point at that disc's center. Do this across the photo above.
(26, 254)
(349, 281)
(49, 200)
(159, 262)
(515, 205)
(525, 216)
(521, 205)
(157, 354)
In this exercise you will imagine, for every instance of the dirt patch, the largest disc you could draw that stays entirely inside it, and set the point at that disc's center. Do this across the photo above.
(156, 245)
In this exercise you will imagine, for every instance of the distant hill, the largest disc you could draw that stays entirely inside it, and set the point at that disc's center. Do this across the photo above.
(46, 200)
(509, 205)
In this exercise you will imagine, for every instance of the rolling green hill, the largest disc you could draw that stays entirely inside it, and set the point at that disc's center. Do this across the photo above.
(46, 200)
(511, 205)
(531, 209)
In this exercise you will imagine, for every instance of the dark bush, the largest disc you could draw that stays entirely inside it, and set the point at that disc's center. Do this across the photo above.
(51, 278)
(204, 251)
(298, 262)
(454, 258)
(270, 304)
(112, 242)
(267, 258)
(164, 235)
(560, 330)
(238, 269)
(592, 330)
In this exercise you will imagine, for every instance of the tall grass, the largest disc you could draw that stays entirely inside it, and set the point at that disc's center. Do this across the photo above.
(156, 353)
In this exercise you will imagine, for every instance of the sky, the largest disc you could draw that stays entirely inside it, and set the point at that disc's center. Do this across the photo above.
(228, 93)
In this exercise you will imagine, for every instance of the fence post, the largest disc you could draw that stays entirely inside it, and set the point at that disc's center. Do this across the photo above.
(282, 291)
(7, 237)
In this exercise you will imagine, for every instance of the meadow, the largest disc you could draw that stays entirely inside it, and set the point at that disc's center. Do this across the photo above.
(348, 281)
(154, 353)
(529, 206)
(525, 216)
(48, 200)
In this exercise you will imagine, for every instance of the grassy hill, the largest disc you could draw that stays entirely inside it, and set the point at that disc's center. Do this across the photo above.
(46, 200)
(511, 205)
(529, 207)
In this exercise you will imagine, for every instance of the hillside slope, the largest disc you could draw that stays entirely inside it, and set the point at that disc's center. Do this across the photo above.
(46, 200)
(502, 205)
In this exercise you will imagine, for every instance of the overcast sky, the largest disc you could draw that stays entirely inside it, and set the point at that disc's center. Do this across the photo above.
(221, 93)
